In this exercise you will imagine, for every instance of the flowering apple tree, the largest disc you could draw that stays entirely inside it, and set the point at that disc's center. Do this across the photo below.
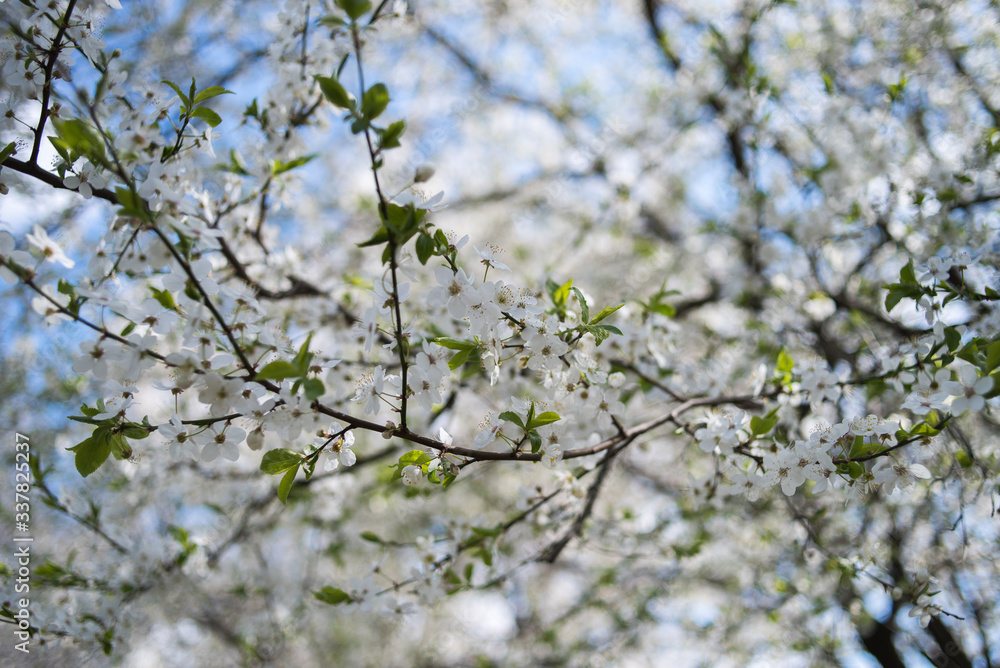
(696, 356)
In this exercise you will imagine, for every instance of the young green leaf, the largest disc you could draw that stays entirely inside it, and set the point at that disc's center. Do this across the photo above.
(374, 101)
(335, 93)
(92, 452)
(425, 247)
(536, 441)
(278, 370)
(605, 312)
(278, 460)
(454, 344)
(458, 359)
(561, 294)
(411, 458)
(332, 596)
(548, 417)
(280, 167)
(207, 115)
(314, 388)
(511, 416)
(761, 425)
(7, 151)
(184, 98)
(210, 92)
(584, 308)
(285, 486)
(389, 138)
(355, 9)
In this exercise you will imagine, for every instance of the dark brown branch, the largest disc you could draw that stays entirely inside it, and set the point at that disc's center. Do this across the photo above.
(552, 552)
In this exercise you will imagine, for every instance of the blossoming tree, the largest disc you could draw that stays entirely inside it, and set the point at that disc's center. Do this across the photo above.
(694, 361)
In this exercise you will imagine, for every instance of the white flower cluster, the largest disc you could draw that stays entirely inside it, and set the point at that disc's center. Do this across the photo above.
(813, 460)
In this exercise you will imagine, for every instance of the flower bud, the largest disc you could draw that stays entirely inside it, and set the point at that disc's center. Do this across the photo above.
(256, 439)
(423, 173)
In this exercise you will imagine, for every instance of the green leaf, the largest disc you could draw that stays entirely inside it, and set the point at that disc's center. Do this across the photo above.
(859, 448)
(899, 291)
(62, 148)
(606, 311)
(486, 554)
(584, 308)
(969, 352)
(335, 92)
(355, 9)
(184, 98)
(134, 431)
(165, 297)
(371, 537)
(536, 441)
(132, 204)
(380, 237)
(278, 370)
(280, 167)
(828, 83)
(310, 466)
(907, 275)
(404, 220)
(548, 417)
(454, 344)
(285, 486)
(411, 458)
(458, 359)
(7, 151)
(304, 357)
(236, 164)
(278, 460)
(561, 294)
(451, 577)
(92, 452)
(425, 247)
(601, 332)
(761, 425)
(663, 309)
(119, 446)
(992, 356)
(600, 335)
(332, 22)
(389, 138)
(896, 89)
(81, 138)
(511, 416)
(953, 338)
(314, 388)
(995, 392)
(332, 596)
(210, 92)
(785, 362)
(488, 532)
(207, 115)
